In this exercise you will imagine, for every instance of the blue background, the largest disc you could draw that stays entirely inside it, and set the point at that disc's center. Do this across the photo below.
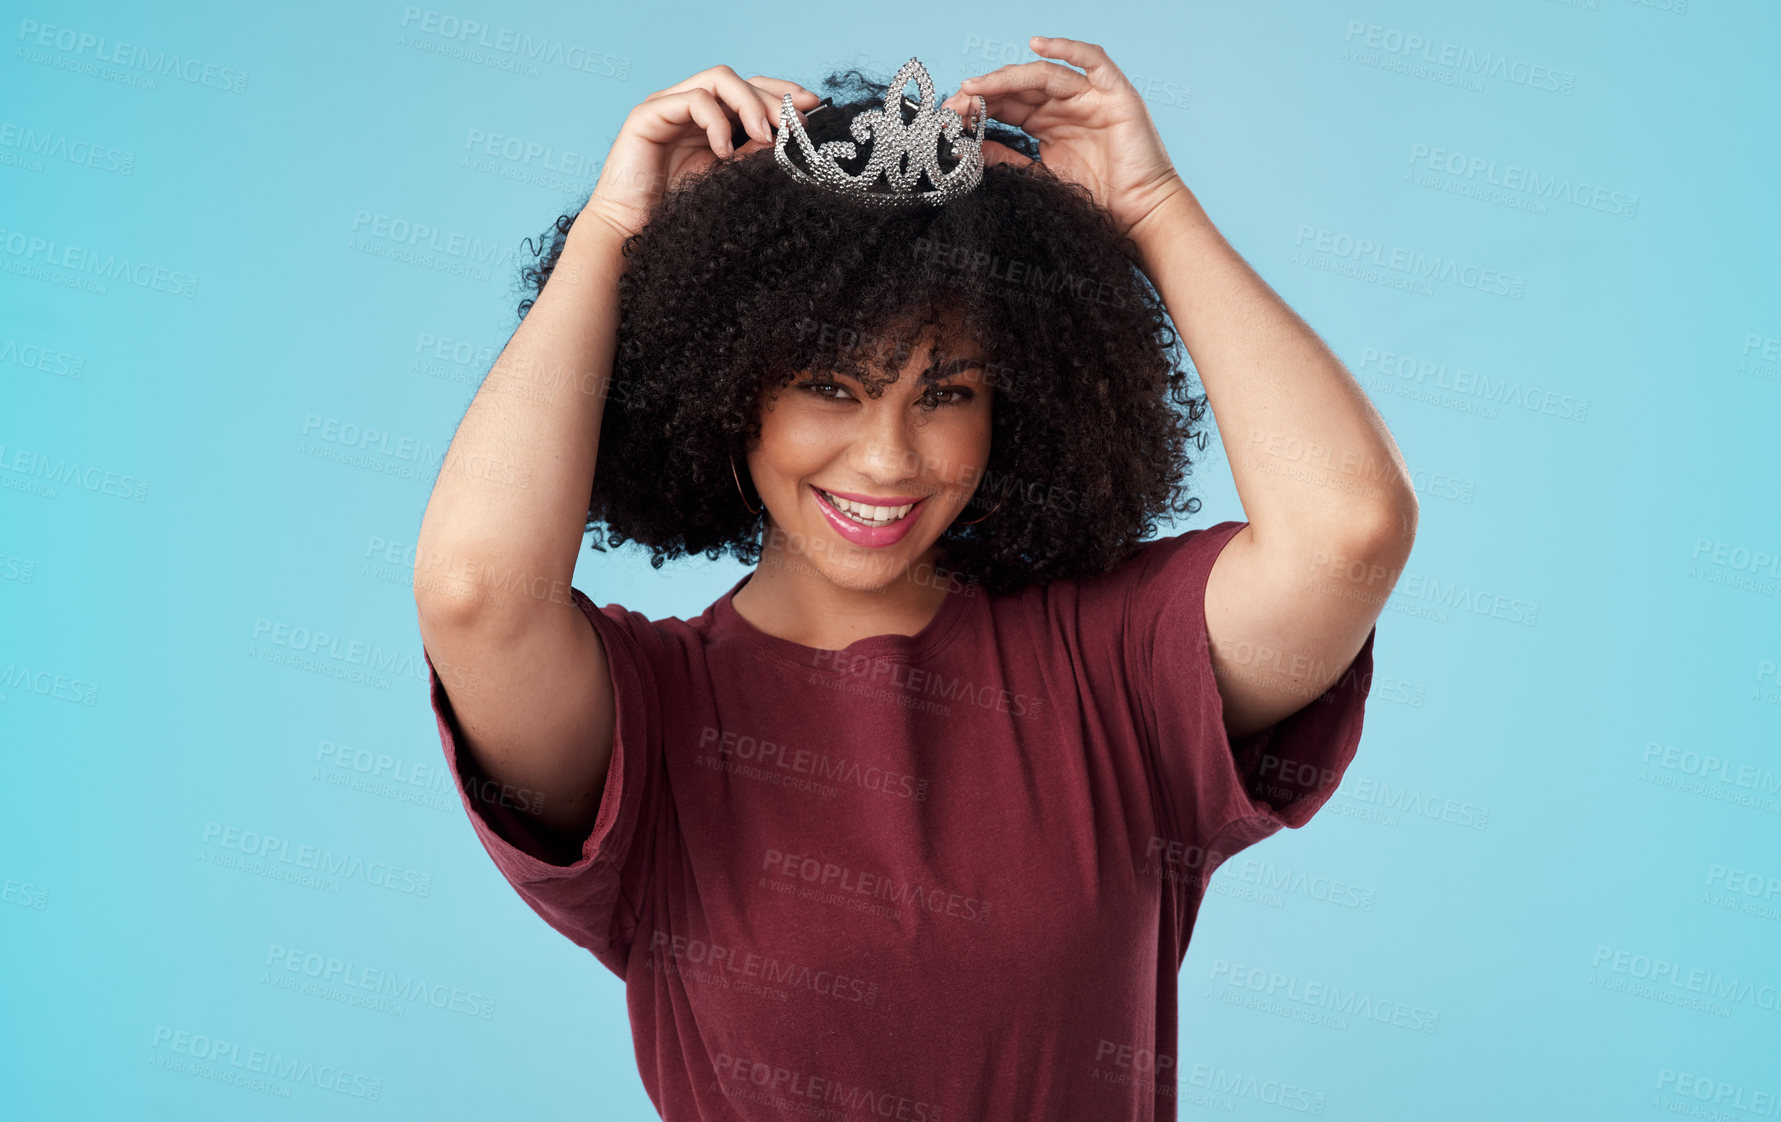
(1560, 837)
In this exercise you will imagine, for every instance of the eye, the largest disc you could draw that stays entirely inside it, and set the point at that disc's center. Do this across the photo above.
(962, 396)
(816, 388)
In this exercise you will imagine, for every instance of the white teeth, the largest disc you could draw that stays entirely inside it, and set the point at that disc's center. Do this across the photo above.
(868, 515)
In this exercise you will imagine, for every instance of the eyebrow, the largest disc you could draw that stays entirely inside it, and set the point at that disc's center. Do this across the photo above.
(957, 365)
(945, 368)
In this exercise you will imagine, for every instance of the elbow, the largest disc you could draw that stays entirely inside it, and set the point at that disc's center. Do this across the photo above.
(1387, 531)
(1395, 522)
(446, 569)
(1380, 531)
(439, 607)
(441, 597)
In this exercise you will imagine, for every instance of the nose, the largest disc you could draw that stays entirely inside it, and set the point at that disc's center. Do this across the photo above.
(884, 450)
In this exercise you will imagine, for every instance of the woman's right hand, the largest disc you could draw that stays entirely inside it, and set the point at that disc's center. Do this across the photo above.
(683, 129)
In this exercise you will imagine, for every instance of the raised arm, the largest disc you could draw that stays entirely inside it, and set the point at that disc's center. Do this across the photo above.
(1331, 510)
(1329, 501)
(526, 672)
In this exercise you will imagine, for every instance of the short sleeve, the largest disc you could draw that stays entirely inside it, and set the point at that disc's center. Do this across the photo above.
(584, 900)
(1218, 795)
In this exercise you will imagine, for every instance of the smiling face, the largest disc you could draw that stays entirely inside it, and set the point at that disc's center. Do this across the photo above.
(836, 468)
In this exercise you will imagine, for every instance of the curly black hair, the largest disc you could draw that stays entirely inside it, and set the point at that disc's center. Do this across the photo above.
(743, 278)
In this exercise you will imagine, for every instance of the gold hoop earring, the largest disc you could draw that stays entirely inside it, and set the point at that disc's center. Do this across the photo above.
(980, 518)
(739, 489)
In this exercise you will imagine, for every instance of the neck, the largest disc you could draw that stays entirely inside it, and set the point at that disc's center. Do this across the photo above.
(790, 597)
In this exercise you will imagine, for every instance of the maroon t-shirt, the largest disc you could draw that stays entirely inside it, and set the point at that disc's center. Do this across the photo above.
(944, 876)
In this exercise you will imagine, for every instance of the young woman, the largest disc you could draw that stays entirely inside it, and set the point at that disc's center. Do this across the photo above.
(915, 821)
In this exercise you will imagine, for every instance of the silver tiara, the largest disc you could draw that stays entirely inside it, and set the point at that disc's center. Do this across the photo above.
(901, 150)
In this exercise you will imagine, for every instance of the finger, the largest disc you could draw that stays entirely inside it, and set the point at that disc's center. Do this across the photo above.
(965, 105)
(741, 101)
(782, 86)
(701, 107)
(1102, 73)
(1010, 109)
(702, 80)
(961, 103)
(776, 88)
(756, 108)
(1048, 77)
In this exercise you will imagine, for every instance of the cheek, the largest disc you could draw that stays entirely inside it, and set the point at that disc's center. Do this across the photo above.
(796, 439)
(956, 455)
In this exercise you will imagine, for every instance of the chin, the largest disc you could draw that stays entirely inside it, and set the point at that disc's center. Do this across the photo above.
(869, 577)
(872, 571)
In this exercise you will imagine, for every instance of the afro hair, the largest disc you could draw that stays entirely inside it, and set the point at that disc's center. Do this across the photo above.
(744, 278)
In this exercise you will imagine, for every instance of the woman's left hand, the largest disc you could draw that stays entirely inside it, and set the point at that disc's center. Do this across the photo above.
(1091, 124)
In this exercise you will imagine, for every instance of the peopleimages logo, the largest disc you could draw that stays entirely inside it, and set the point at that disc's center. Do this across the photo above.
(782, 1088)
(915, 680)
(456, 36)
(231, 1062)
(1367, 42)
(1519, 178)
(754, 971)
(1676, 983)
(1288, 991)
(26, 466)
(46, 683)
(46, 360)
(532, 154)
(328, 970)
(342, 650)
(33, 146)
(313, 858)
(1505, 390)
(826, 876)
(821, 766)
(34, 249)
(79, 48)
(369, 438)
(1413, 265)
(421, 235)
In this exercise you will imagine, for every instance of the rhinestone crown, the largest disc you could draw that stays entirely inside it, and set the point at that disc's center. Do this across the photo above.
(901, 150)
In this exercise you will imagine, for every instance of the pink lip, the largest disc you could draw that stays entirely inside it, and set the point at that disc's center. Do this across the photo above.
(871, 500)
(870, 537)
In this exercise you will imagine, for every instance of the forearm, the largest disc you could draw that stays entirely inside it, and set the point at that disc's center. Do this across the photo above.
(1312, 459)
(511, 499)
